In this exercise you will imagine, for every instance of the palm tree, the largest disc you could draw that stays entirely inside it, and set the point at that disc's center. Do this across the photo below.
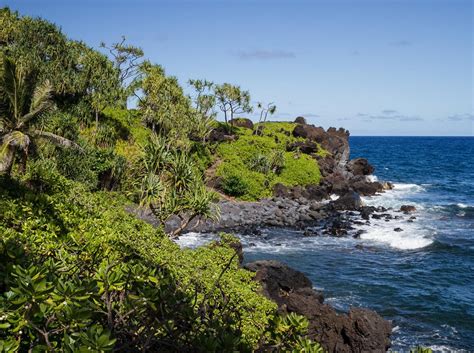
(23, 101)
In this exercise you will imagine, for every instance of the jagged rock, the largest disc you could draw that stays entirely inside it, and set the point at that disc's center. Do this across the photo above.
(339, 183)
(361, 330)
(336, 142)
(326, 164)
(310, 132)
(362, 186)
(408, 208)
(300, 120)
(359, 166)
(241, 122)
(349, 201)
(307, 147)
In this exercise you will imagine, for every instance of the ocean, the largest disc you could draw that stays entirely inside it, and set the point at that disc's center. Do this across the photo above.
(421, 278)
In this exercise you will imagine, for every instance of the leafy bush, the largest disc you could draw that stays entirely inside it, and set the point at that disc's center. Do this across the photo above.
(233, 186)
(261, 161)
(80, 272)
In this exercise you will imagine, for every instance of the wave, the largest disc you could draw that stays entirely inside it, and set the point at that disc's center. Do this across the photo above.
(461, 210)
(396, 197)
(397, 234)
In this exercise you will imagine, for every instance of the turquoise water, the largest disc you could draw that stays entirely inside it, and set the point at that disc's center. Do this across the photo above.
(421, 278)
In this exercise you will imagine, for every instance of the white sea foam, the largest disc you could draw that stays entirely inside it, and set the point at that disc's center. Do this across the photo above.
(193, 239)
(371, 178)
(333, 197)
(396, 197)
(413, 235)
(462, 205)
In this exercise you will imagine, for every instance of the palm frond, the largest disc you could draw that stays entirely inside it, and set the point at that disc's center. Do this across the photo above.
(56, 139)
(8, 92)
(41, 102)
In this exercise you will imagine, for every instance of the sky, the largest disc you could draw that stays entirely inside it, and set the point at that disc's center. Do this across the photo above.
(374, 67)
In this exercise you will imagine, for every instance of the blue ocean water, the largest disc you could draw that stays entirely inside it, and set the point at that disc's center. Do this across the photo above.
(421, 278)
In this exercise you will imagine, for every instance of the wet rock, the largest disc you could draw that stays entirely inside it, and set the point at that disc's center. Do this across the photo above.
(366, 211)
(386, 185)
(361, 185)
(398, 229)
(408, 208)
(359, 166)
(361, 330)
(349, 201)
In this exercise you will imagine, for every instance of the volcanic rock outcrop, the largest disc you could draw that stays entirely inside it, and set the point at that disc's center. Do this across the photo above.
(361, 330)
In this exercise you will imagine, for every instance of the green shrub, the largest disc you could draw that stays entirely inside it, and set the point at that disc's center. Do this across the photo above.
(261, 161)
(79, 272)
(234, 186)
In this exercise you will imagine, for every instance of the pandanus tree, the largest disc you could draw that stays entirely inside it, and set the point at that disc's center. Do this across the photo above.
(232, 100)
(23, 102)
(170, 185)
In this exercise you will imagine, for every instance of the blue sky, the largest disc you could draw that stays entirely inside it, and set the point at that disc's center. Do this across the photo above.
(374, 67)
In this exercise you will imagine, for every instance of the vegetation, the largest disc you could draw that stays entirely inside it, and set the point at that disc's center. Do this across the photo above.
(78, 272)
(254, 163)
(232, 100)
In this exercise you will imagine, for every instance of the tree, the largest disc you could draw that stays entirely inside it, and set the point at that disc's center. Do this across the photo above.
(23, 101)
(270, 108)
(127, 60)
(171, 186)
(232, 100)
(165, 107)
(204, 101)
(103, 87)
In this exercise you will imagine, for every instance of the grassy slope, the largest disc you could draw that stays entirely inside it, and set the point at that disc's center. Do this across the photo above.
(299, 169)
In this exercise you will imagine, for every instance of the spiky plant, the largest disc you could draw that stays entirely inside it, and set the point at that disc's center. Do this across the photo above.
(23, 101)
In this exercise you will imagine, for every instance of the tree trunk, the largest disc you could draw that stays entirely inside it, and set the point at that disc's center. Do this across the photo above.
(96, 121)
(8, 155)
(24, 159)
(185, 222)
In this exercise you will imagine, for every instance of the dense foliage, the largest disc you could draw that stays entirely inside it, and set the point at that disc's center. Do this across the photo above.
(79, 272)
(254, 163)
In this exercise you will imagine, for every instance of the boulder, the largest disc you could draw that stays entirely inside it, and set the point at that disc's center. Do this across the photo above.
(408, 208)
(221, 134)
(307, 147)
(300, 120)
(359, 166)
(361, 330)
(241, 122)
(310, 132)
(349, 201)
(386, 185)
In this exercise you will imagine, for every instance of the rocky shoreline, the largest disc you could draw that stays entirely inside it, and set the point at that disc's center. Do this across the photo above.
(331, 208)
(361, 330)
